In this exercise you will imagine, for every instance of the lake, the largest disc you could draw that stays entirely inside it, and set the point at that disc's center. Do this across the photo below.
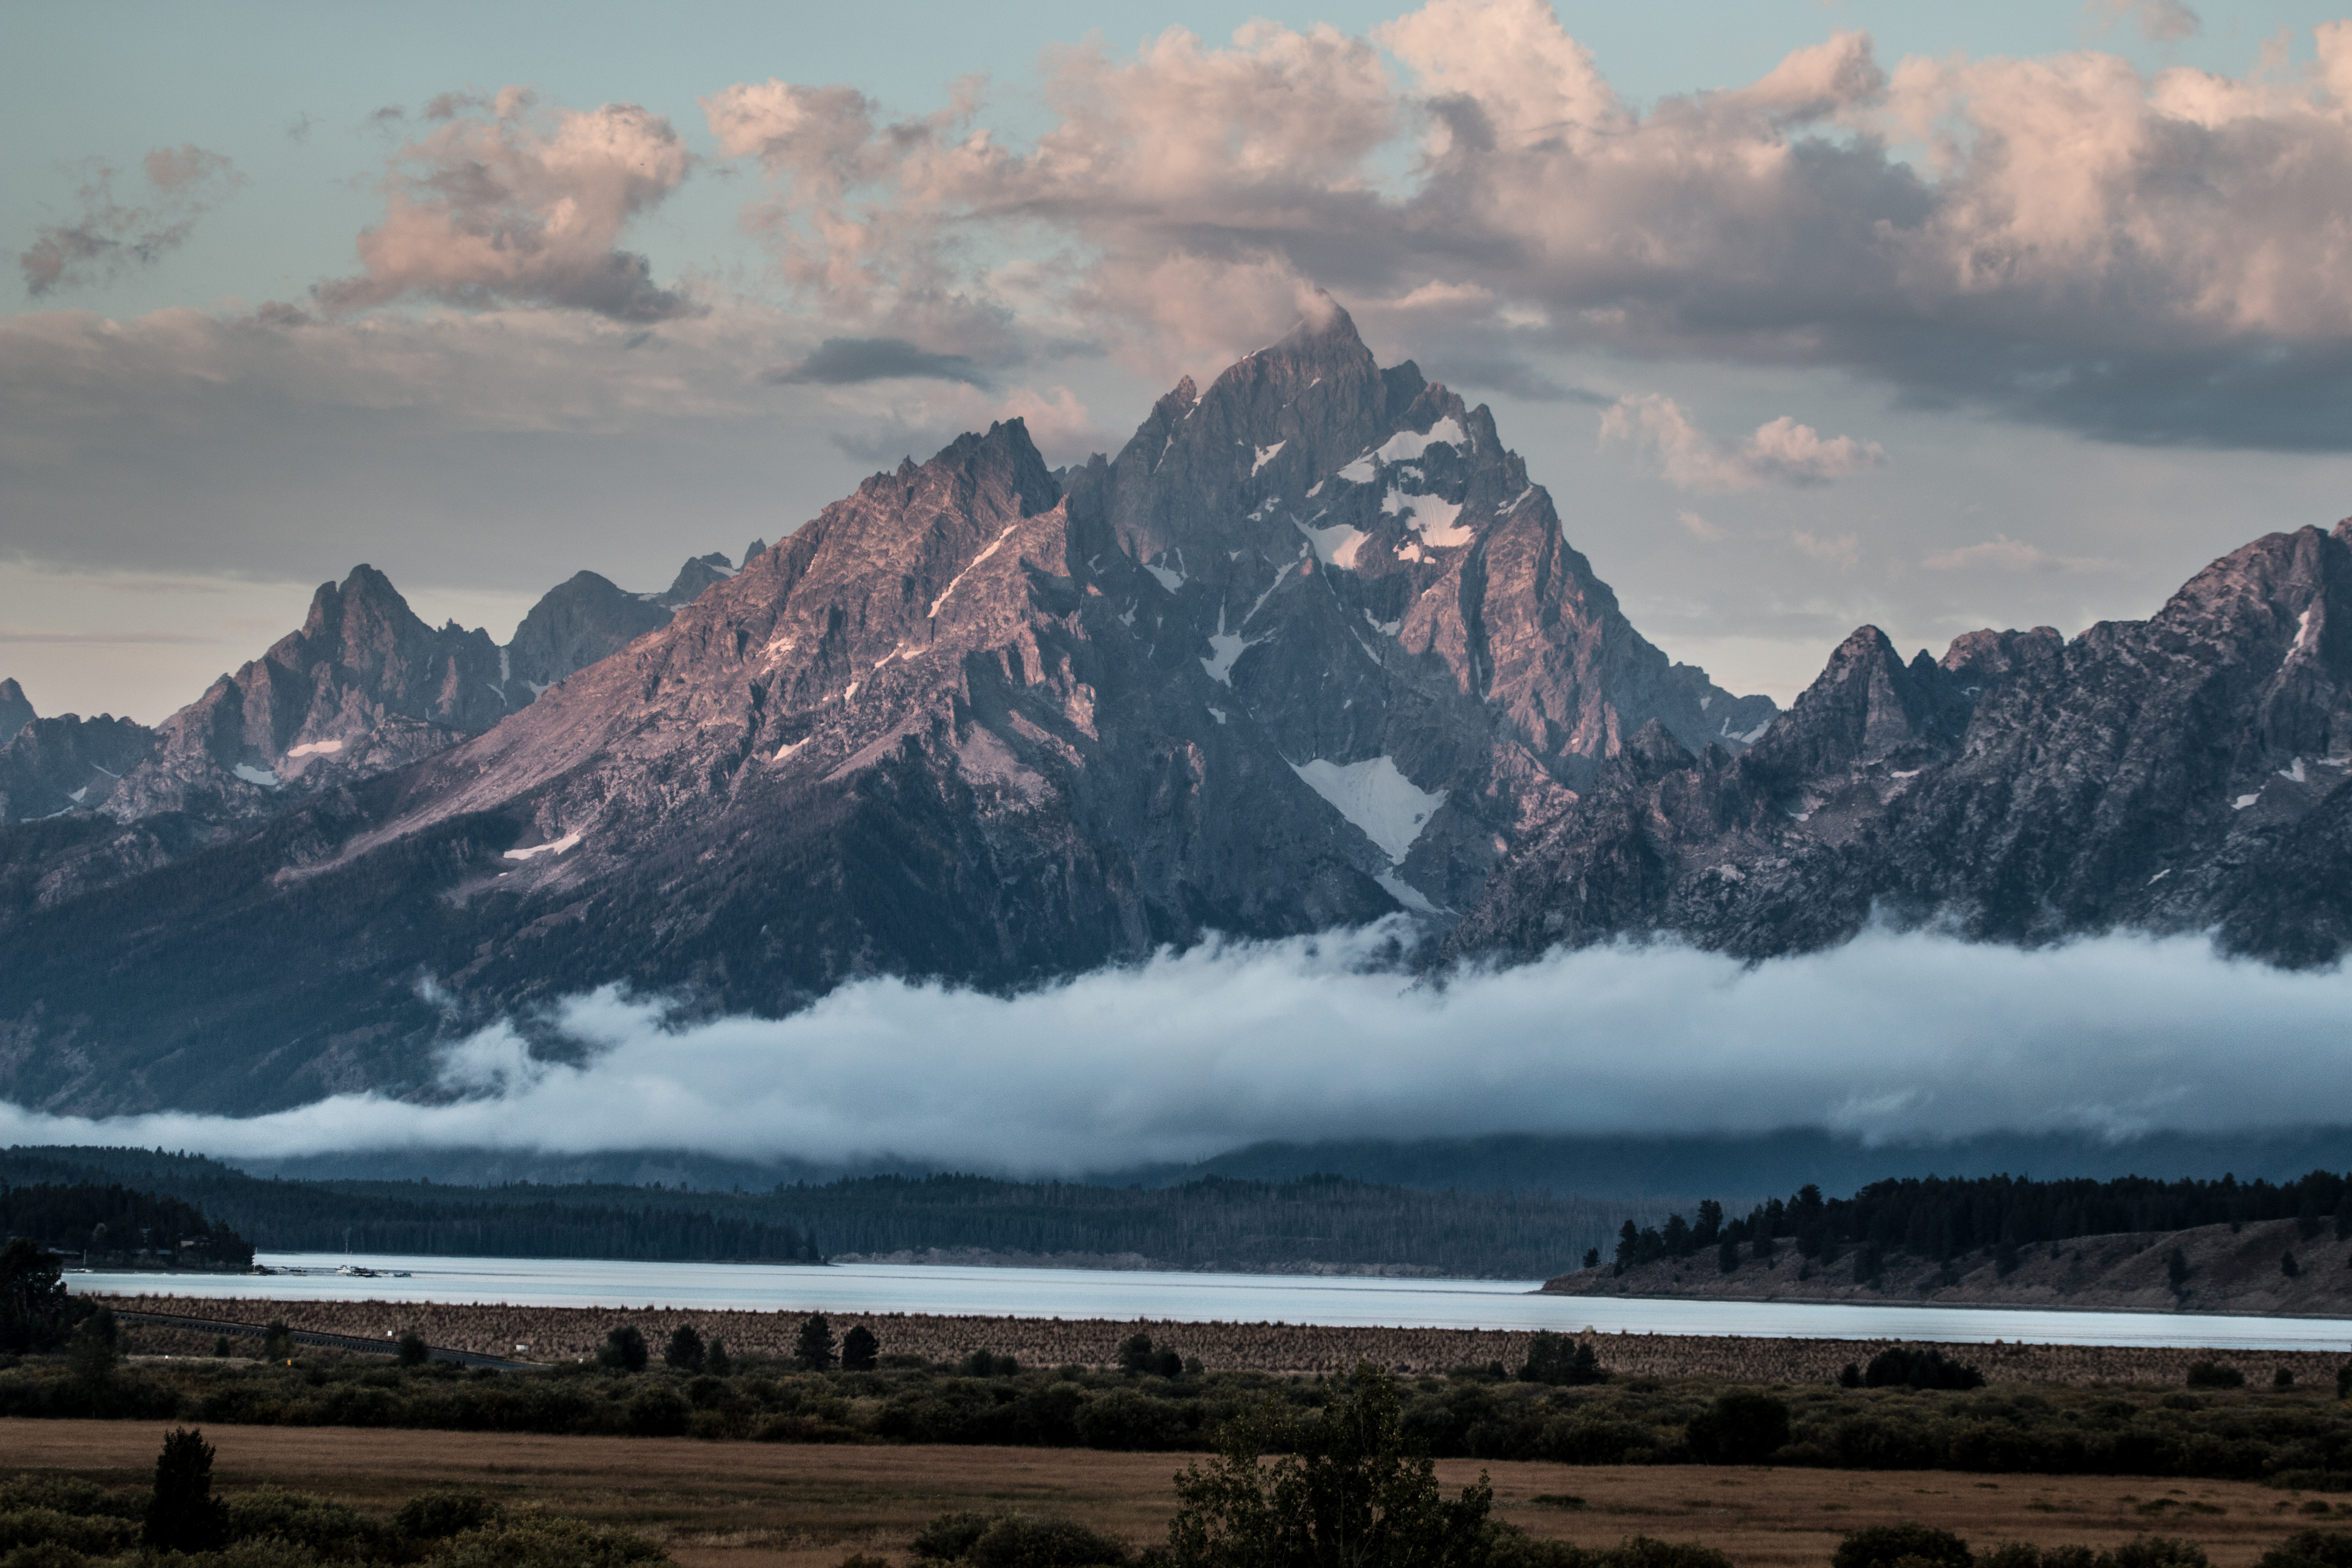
(858, 1287)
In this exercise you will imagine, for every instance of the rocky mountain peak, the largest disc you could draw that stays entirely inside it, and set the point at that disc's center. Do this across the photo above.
(1866, 707)
(1978, 659)
(576, 622)
(362, 686)
(16, 710)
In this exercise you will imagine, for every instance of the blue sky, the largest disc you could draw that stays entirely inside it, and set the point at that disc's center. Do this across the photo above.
(182, 470)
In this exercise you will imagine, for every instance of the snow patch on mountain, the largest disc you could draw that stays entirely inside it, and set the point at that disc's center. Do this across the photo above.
(1335, 545)
(1437, 520)
(1267, 455)
(553, 846)
(315, 749)
(1224, 648)
(1376, 796)
(1405, 893)
(993, 546)
(1404, 445)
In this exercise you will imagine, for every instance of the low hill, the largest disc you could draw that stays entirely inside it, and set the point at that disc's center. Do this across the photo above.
(2225, 1268)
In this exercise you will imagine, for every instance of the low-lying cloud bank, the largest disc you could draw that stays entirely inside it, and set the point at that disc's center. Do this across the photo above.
(1893, 1035)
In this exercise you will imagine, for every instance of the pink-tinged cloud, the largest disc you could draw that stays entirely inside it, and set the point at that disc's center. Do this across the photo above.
(506, 203)
(2144, 257)
(1780, 451)
(108, 238)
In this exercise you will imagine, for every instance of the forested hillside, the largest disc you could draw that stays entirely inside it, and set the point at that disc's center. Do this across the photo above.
(1315, 1223)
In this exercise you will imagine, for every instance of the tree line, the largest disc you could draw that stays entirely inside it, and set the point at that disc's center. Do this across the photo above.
(110, 1223)
(1944, 1217)
(1214, 1222)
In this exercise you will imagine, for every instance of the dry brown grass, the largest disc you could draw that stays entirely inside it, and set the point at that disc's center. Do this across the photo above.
(754, 1506)
(567, 1333)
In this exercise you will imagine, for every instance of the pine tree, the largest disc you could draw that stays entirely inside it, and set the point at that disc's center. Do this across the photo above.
(183, 1515)
(624, 1349)
(860, 1350)
(813, 1349)
(35, 1311)
(1350, 1491)
(685, 1351)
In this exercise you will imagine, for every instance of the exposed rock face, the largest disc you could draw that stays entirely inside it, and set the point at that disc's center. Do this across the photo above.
(2179, 773)
(51, 767)
(697, 573)
(1310, 649)
(16, 712)
(573, 625)
(363, 687)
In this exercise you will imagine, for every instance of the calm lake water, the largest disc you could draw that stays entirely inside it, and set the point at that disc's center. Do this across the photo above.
(1192, 1297)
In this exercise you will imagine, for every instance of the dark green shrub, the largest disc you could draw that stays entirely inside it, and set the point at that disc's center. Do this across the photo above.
(98, 1537)
(860, 1350)
(988, 1364)
(1742, 1428)
(2310, 1549)
(36, 1312)
(659, 1413)
(72, 1497)
(2213, 1375)
(1905, 1367)
(1137, 1356)
(2154, 1552)
(716, 1362)
(1349, 1491)
(1648, 1552)
(327, 1528)
(413, 1349)
(436, 1516)
(624, 1349)
(1126, 1419)
(948, 1538)
(1883, 1545)
(1561, 1361)
(1592, 1438)
(538, 1540)
(686, 1351)
(1020, 1540)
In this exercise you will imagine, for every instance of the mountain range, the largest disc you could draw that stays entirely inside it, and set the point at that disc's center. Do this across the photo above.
(1311, 649)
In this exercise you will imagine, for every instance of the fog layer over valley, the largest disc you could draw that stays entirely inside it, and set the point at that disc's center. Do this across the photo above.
(1900, 1036)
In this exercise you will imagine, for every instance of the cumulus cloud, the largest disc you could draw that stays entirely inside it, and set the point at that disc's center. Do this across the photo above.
(2141, 257)
(1780, 451)
(504, 203)
(108, 238)
(1897, 1037)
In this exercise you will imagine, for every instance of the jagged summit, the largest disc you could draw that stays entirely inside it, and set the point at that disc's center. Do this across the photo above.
(1309, 649)
(16, 710)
